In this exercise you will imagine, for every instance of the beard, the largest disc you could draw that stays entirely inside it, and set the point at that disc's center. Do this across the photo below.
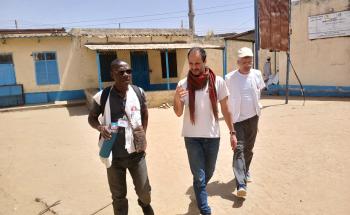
(197, 72)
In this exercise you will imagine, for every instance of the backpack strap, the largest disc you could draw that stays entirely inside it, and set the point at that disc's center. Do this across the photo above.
(104, 98)
(141, 99)
(137, 90)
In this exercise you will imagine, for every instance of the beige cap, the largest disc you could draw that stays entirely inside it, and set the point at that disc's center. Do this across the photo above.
(245, 52)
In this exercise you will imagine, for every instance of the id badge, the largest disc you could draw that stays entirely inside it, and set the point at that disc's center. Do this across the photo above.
(114, 125)
(122, 123)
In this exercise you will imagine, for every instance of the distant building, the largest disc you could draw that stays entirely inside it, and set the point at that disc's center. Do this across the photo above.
(47, 65)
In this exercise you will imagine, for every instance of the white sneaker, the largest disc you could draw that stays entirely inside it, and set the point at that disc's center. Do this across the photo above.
(241, 191)
(248, 178)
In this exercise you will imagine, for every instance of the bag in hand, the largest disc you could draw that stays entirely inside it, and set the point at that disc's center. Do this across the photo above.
(140, 142)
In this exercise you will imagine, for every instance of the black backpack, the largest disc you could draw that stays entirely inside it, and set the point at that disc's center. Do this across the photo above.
(137, 90)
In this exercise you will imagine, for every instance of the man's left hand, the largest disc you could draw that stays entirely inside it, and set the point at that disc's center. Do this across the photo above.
(233, 140)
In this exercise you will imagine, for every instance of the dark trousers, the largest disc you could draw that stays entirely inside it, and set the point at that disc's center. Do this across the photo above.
(246, 134)
(136, 164)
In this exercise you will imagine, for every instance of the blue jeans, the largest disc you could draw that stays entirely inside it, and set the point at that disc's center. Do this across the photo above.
(202, 154)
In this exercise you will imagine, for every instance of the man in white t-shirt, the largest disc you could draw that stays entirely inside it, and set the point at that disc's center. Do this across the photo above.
(199, 94)
(245, 85)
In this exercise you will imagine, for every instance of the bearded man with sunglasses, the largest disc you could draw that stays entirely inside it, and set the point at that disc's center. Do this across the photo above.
(123, 105)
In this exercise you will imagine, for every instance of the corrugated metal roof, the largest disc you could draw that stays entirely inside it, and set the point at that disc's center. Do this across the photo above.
(245, 36)
(23, 33)
(32, 31)
(94, 32)
(33, 35)
(135, 32)
(152, 46)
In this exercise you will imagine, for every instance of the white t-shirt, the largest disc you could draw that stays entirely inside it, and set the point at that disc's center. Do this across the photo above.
(205, 124)
(248, 109)
(244, 94)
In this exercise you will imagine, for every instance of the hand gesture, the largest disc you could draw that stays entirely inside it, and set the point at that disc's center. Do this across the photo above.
(180, 93)
(105, 131)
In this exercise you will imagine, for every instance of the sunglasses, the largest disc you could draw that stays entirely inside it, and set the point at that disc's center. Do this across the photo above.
(122, 72)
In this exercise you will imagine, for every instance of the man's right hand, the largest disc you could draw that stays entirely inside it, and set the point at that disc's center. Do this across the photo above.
(105, 132)
(180, 93)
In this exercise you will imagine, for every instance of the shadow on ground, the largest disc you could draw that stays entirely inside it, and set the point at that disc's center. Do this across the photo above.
(78, 110)
(215, 188)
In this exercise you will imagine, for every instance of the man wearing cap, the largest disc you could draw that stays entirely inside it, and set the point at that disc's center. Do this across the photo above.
(245, 85)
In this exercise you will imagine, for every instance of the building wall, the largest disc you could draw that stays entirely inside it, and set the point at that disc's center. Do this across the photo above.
(22, 50)
(85, 65)
(320, 62)
(215, 61)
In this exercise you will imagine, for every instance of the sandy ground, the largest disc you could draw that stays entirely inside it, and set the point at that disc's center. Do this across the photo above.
(301, 163)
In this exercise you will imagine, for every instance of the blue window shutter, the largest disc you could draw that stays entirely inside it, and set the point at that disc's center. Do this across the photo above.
(52, 72)
(46, 68)
(12, 75)
(40, 72)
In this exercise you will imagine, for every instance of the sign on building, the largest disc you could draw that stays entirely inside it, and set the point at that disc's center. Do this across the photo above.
(274, 24)
(329, 25)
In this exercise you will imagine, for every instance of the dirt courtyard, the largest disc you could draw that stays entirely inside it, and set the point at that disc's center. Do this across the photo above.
(301, 163)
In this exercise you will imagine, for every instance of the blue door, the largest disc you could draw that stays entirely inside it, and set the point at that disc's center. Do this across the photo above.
(140, 70)
(11, 94)
(7, 71)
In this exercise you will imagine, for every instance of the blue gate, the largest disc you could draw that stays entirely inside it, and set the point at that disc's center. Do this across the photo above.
(11, 95)
(139, 65)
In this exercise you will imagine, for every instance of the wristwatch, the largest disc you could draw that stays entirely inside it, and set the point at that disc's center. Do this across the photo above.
(232, 132)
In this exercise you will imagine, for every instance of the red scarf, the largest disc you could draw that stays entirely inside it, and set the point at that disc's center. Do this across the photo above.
(197, 83)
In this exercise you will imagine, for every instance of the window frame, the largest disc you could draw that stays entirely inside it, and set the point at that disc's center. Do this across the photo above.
(173, 73)
(7, 54)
